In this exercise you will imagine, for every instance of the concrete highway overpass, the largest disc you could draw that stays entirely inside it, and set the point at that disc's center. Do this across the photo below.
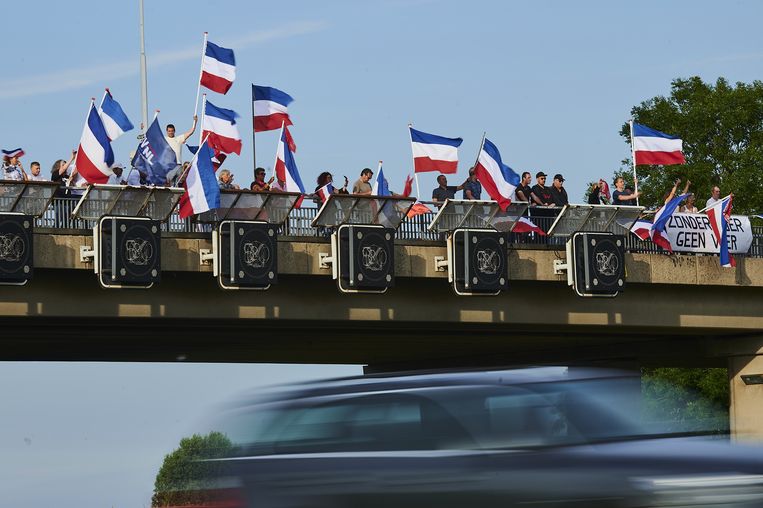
(675, 311)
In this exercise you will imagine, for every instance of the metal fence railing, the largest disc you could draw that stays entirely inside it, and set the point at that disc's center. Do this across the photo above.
(58, 216)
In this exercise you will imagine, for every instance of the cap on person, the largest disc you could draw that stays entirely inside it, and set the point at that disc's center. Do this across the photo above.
(558, 177)
(539, 174)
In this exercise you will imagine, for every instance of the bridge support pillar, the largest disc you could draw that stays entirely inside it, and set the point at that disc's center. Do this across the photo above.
(746, 387)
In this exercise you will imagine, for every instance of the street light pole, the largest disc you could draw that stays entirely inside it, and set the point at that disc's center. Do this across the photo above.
(143, 78)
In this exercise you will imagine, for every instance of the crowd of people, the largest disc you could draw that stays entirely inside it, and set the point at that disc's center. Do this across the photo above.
(539, 195)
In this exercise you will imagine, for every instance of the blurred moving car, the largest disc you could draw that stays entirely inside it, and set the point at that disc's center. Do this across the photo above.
(530, 437)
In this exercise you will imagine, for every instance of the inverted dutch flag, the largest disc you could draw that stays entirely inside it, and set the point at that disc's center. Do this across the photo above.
(286, 168)
(94, 155)
(498, 179)
(654, 147)
(271, 108)
(719, 214)
(525, 225)
(661, 220)
(434, 153)
(324, 192)
(202, 192)
(16, 152)
(219, 127)
(113, 117)
(642, 228)
(218, 68)
(381, 186)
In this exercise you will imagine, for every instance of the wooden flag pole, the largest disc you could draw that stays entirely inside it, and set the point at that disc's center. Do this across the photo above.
(201, 71)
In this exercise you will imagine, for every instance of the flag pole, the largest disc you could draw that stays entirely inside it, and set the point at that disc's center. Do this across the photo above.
(143, 77)
(254, 151)
(413, 161)
(201, 71)
(633, 158)
(482, 145)
(203, 110)
(104, 96)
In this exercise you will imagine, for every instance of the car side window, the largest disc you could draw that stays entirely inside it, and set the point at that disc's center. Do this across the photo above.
(525, 420)
(377, 422)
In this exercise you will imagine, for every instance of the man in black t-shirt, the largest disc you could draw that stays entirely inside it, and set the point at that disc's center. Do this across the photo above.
(444, 191)
(524, 191)
(558, 192)
(540, 193)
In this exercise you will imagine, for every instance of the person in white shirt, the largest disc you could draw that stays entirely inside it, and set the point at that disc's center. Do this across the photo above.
(176, 142)
(36, 176)
(714, 197)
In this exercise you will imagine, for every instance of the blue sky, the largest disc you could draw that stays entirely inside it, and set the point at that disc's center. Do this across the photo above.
(551, 82)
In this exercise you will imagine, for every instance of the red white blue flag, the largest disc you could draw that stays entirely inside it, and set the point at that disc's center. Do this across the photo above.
(654, 147)
(498, 179)
(324, 192)
(434, 153)
(642, 228)
(202, 191)
(219, 127)
(94, 155)
(655, 230)
(525, 225)
(286, 167)
(271, 108)
(218, 68)
(719, 215)
(16, 152)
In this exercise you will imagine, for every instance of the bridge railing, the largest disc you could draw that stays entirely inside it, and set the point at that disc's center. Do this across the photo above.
(58, 216)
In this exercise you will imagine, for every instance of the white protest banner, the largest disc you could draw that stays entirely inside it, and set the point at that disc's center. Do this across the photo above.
(692, 232)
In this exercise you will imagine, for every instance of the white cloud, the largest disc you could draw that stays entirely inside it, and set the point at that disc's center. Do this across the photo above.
(70, 79)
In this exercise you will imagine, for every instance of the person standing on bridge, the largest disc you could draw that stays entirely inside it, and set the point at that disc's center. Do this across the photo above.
(362, 187)
(620, 196)
(176, 142)
(541, 194)
(558, 192)
(715, 196)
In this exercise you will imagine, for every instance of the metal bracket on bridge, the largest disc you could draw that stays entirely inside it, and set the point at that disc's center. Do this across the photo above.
(560, 266)
(440, 264)
(208, 257)
(86, 254)
(325, 261)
